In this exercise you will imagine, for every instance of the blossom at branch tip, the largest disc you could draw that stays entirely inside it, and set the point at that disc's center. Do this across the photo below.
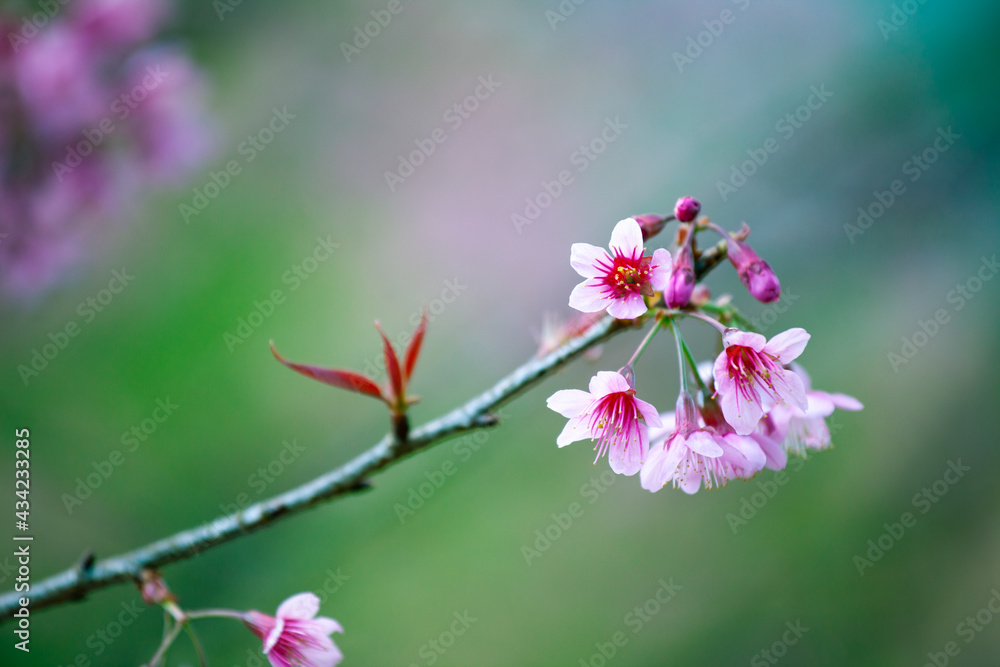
(798, 429)
(690, 454)
(609, 414)
(295, 637)
(393, 393)
(751, 378)
(618, 281)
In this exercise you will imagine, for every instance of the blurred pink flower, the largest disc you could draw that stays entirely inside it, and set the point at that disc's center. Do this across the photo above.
(295, 637)
(690, 455)
(799, 429)
(610, 414)
(619, 281)
(750, 377)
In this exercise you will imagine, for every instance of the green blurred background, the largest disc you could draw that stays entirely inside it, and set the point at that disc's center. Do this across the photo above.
(395, 584)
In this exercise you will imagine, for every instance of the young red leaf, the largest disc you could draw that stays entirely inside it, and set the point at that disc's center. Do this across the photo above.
(413, 349)
(391, 365)
(334, 377)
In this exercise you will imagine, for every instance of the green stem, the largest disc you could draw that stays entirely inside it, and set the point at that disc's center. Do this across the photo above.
(691, 362)
(645, 341)
(730, 312)
(680, 356)
(197, 645)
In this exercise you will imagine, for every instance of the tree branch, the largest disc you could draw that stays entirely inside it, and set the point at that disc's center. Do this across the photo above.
(75, 583)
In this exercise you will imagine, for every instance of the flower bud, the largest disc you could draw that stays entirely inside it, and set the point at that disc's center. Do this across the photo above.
(681, 285)
(755, 274)
(687, 209)
(154, 589)
(650, 224)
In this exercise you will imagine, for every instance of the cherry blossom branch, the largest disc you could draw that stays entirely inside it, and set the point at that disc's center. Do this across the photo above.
(89, 575)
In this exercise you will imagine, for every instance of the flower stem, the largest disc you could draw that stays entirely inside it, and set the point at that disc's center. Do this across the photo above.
(705, 318)
(197, 645)
(645, 341)
(732, 313)
(694, 366)
(680, 357)
(168, 639)
(215, 613)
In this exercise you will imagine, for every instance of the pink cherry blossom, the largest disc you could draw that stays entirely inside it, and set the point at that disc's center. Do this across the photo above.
(611, 415)
(751, 378)
(690, 454)
(618, 281)
(806, 429)
(296, 638)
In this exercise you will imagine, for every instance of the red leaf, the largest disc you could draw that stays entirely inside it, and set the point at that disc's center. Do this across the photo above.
(413, 349)
(334, 377)
(391, 364)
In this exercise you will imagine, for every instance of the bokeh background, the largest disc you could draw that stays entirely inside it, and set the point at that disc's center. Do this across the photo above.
(447, 230)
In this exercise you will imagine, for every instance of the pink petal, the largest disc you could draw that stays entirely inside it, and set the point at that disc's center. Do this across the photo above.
(701, 442)
(819, 404)
(626, 238)
(789, 388)
(749, 449)
(587, 297)
(777, 457)
(666, 427)
(607, 382)
(745, 338)
(274, 635)
(661, 267)
(648, 412)
(585, 258)
(742, 415)
(576, 429)
(629, 461)
(845, 402)
(629, 307)
(303, 606)
(691, 481)
(327, 626)
(570, 402)
(787, 345)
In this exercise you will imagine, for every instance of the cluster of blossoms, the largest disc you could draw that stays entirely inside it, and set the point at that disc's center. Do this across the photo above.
(293, 637)
(754, 405)
(90, 114)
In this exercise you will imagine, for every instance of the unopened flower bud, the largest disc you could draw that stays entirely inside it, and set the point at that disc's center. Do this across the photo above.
(755, 274)
(681, 285)
(154, 589)
(650, 224)
(687, 209)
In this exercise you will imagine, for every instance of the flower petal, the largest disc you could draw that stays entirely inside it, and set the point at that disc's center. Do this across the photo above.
(303, 606)
(569, 402)
(588, 297)
(789, 387)
(702, 442)
(787, 345)
(754, 341)
(626, 238)
(777, 457)
(274, 635)
(741, 413)
(628, 461)
(628, 307)
(648, 412)
(586, 259)
(660, 269)
(607, 382)
(845, 402)
(576, 429)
